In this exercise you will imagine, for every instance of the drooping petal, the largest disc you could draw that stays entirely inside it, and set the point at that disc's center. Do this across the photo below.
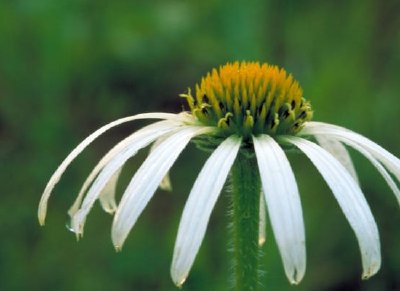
(391, 162)
(351, 200)
(146, 180)
(107, 195)
(166, 181)
(151, 129)
(76, 151)
(376, 164)
(199, 206)
(339, 151)
(283, 203)
(141, 139)
(262, 226)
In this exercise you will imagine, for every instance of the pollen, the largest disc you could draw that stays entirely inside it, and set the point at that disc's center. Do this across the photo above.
(249, 98)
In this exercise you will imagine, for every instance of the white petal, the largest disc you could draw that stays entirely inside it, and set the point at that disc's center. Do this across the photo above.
(262, 227)
(146, 180)
(199, 206)
(351, 200)
(376, 164)
(107, 195)
(121, 146)
(339, 151)
(140, 139)
(283, 203)
(166, 181)
(76, 151)
(391, 162)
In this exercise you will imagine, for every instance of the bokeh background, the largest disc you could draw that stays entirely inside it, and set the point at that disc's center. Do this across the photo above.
(68, 67)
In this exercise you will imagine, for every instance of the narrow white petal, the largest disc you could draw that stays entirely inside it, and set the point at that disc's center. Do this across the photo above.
(119, 147)
(376, 164)
(76, 151)
(339, 151)
(391, 162)
(166, 181)
(141, 139)
(107, 195)
(199, 206)
(283, 203)
(351, 200)
(262, 231)
(146, 180)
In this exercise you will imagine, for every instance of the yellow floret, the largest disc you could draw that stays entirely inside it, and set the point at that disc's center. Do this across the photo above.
(249, 98)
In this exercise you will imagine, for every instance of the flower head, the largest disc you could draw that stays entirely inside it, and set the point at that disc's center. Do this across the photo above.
(249, 98)
(241, 107)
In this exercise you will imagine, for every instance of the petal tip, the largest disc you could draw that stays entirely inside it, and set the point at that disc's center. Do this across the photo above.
(166, 187)
(180, 281)
(117, 240)
(178, 275)
(41, 218)
(371, 271)
(78, 236)
(110, 210)
(42, 214)
(295, 277)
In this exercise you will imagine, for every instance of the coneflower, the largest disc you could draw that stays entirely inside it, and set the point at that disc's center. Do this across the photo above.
(248, 115)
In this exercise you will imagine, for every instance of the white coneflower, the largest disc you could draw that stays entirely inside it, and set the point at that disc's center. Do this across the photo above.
(248, 114)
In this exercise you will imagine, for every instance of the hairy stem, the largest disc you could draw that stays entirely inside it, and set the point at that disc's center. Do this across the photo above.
(245, 222)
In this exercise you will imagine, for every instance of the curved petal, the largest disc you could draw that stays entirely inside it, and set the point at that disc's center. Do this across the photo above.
(146, 180)
(283, 203)
(119, 147)
(339, 151)
(107, 195)
(166, 181)
(351, 200)
(262, 226)
(381, 169)
(76, 151)
(391, 162)
(199, 206)
(141, 139)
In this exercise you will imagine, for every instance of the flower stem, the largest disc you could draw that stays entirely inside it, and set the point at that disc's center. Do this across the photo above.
(245, 221)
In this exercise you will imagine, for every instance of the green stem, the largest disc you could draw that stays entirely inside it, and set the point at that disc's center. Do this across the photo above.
(245, 222)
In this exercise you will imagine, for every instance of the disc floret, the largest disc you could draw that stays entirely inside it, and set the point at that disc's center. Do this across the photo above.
(249, 98)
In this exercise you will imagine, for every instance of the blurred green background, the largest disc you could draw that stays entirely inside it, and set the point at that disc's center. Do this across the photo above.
(68, 67)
